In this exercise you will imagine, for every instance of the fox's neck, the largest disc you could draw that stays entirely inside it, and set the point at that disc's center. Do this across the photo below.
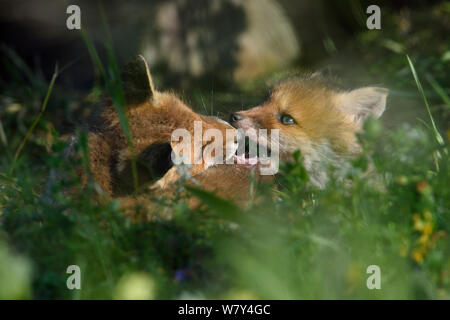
(323, 161)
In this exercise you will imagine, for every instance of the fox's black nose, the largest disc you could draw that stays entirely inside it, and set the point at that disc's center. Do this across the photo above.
(235, 117)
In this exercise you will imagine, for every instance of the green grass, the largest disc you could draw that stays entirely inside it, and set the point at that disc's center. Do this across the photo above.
(36, 120)
(422, 93)
(113, 83)
(302, 244)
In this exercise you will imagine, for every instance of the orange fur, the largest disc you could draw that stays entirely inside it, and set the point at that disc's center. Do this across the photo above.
(325, 120)
(152, 117)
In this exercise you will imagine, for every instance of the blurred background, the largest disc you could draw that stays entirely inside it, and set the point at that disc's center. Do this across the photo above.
(221, 55)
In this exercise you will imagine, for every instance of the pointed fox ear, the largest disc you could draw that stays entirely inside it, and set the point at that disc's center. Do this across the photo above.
(137, 82)
(361, 103)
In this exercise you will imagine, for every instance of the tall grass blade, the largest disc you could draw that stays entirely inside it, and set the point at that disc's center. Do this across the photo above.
(436, 133)
(114, 86)
(36, 120)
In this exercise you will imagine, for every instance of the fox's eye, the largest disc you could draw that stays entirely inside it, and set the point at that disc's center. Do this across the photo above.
(287, 119)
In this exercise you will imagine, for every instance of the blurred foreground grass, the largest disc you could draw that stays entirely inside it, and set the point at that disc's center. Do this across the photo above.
(301, 243)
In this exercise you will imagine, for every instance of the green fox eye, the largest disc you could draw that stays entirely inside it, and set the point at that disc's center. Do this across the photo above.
(287, 119)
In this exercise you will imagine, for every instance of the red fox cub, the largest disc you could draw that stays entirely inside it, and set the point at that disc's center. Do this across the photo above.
(316, 119)
(152, 116)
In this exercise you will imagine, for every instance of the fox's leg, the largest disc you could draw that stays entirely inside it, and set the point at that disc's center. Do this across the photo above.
(169, 178)
(173, 175)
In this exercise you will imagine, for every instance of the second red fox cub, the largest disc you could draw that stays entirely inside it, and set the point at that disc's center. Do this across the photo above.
(316, 119)
(153, 116)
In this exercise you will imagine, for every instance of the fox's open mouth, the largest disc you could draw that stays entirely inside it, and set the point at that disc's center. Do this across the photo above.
(249, 157)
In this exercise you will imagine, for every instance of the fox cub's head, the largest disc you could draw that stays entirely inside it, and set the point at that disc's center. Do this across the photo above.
(315, 118)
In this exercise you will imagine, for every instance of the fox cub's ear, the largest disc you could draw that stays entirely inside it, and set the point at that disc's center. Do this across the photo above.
(361, 103)
(137, 82)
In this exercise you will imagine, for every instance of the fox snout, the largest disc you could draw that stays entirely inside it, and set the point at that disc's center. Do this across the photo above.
(242, 121)
(235, 118)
